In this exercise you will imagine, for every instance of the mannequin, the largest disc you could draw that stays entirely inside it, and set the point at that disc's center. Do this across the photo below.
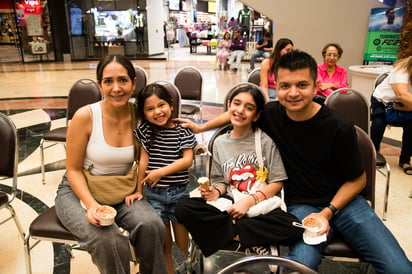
(139, 28)
(244, 20)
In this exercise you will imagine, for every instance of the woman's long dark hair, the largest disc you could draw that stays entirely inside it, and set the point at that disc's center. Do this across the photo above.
(280, 44)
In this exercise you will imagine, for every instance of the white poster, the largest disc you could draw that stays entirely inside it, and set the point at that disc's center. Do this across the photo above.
(33, 25)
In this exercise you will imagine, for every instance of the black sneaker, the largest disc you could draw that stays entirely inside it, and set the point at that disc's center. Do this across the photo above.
(234, 69)
(264, 250)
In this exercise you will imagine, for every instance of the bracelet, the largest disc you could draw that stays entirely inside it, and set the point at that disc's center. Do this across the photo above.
(255, 198)
(218, 190)
(264, 195)
(333, 209)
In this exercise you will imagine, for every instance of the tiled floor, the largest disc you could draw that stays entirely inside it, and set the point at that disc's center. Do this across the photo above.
(34, 96)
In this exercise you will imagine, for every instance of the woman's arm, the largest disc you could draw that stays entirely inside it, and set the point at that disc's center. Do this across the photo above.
(401, 91)
(78, 135)
(154, 176)
(264, 69)
(138, 194)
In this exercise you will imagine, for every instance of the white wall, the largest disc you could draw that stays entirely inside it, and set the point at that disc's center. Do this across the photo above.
(155, 33)
(310, 24)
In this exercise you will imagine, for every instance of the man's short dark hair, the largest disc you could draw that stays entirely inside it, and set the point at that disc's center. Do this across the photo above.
(296, 60)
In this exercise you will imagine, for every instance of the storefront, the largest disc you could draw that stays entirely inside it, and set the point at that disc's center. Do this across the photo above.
(25, 31)
(91, 29)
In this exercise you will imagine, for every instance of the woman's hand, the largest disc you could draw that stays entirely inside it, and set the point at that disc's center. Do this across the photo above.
(131, 198)
(91, 216)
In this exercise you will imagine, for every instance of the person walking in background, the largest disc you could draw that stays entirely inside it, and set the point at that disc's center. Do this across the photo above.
(223, 51)
(238, 48)
(267, 68)
(330, 75)
(100, 136)
(397, 90)
(263, 49)
(165, 156)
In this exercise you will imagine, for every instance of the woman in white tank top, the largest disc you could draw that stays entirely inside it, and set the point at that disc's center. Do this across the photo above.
(101, 134)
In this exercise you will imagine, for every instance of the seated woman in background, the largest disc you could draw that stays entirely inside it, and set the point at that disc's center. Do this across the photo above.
(330, 75)
(267, 77)
(223, 51)
(396, 89)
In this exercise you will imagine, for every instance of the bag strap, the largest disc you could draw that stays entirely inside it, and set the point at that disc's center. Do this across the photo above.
(258, 145)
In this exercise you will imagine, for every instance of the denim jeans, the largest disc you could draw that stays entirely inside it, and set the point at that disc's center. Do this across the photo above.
(108, 247)
(272, 94)
(378, 126)
(258, 53)
(362, 230)
(164, 200)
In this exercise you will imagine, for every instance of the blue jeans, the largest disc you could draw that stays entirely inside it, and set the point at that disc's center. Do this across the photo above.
(378, 126)
(258, 53)
(164, 200)
(272, 94)
(363, 230)
(108, 247)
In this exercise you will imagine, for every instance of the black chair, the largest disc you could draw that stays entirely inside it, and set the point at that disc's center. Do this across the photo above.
(240, 265)
(141, 80)
(8, 167)
(47, 227)
(83, 92)
(354, 107)
(254, 77)
(338, 247)
(189, 81)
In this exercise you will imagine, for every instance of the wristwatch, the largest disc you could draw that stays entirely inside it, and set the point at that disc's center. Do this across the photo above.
(333, 209)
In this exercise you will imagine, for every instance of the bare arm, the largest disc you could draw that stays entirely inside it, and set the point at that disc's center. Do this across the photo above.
(153, 176)
(346, 193)
(78, 135)
(405, 97)
(264, 69)
(143, 162)
(217, 122)
(240, 208)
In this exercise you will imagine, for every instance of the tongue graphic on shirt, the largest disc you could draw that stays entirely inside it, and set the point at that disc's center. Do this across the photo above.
(243, 177)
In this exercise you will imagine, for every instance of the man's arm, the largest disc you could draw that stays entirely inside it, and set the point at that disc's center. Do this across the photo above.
(217, 122)
(345, 194)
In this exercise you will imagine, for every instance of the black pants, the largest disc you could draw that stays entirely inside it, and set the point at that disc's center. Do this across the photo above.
(213, 230)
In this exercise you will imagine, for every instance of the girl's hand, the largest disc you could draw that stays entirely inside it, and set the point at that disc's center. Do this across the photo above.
(240, 208)
(152, 178)
(91, 216)
(131, 198)
(210, 194)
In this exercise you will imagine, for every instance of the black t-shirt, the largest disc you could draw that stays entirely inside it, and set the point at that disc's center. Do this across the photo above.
(269, 44)
(319, 154)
